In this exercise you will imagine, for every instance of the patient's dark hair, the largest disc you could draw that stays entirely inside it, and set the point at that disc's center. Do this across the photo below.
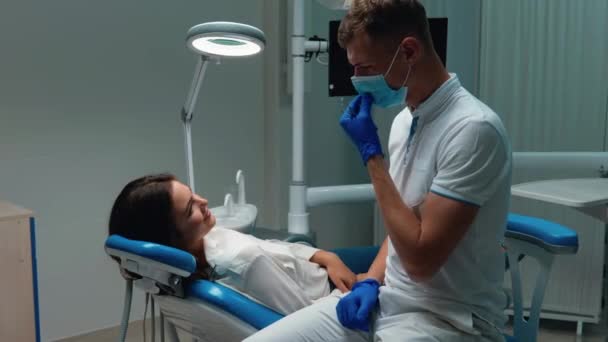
(143, 210)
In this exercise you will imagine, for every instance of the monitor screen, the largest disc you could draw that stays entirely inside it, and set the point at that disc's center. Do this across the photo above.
(340, 71)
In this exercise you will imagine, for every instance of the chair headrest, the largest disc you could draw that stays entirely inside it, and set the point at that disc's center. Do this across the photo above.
(118, 246)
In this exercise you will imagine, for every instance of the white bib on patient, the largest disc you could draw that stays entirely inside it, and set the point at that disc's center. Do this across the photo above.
(222, 246)
(229, 250)
(276, 273)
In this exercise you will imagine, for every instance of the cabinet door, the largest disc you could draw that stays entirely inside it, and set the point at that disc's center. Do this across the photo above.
(16, 289)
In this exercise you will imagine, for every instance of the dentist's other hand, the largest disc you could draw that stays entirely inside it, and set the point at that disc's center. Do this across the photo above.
(355, 308)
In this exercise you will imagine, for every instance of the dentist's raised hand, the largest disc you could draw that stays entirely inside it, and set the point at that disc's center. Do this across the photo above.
(358, 124)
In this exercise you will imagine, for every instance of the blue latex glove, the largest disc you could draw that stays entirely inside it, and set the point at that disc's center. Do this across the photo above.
(354, 309)
(358, 124)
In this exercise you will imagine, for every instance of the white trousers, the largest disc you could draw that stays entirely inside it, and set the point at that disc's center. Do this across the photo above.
(319, 322)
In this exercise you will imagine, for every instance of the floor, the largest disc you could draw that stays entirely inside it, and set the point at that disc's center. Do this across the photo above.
(550, 331)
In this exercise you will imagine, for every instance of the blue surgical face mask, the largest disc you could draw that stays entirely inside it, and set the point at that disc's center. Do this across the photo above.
(376, 86)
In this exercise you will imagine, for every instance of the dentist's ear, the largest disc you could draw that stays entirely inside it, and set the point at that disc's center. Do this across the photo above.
(412, 49)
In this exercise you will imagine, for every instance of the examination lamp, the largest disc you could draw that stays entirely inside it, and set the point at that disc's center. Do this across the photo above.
(215, 40)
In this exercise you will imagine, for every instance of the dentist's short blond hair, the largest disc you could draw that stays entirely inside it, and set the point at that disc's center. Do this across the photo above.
(385, 21)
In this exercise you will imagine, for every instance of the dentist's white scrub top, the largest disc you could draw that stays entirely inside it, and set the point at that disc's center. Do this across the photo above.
(458, 149)
(275, 273)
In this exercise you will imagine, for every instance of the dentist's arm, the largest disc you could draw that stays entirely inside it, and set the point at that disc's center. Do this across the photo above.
(423, 246)
(376, 270)
(473, 161)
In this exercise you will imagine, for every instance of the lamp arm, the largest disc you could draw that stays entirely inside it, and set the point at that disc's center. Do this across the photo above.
(188, 110)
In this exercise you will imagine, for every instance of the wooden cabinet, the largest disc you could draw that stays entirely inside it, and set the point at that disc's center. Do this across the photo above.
(18, 279)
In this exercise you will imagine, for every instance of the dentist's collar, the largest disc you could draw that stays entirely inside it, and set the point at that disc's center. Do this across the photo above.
(430, 108)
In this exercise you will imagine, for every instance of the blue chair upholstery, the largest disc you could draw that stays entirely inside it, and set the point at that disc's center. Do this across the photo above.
(163, 254)
(551, 236)
(257, 315)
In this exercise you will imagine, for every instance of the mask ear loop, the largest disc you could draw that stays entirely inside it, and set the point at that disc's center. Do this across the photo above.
(407, 77)
(392, 62)
(409, 70)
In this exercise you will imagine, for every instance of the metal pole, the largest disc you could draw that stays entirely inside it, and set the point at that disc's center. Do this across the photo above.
(188, 110)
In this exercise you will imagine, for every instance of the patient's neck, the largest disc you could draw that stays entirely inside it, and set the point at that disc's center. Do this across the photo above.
(197, 249)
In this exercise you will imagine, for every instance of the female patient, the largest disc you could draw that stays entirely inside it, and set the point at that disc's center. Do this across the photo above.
(283, 276)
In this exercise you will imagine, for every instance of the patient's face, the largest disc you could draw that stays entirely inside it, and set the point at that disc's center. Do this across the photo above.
(192, 216)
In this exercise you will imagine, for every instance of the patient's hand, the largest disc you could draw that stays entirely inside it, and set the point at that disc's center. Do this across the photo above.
(340, 274)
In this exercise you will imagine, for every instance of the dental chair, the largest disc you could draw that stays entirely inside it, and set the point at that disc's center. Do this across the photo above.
(209, 311)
